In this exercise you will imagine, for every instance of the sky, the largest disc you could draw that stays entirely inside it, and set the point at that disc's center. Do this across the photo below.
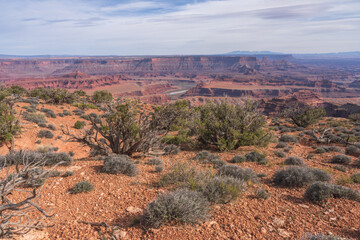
(164, 27)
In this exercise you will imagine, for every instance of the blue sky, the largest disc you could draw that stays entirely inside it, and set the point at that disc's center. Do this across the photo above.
(144, 27)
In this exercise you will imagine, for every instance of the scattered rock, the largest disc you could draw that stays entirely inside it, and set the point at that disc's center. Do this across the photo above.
(283, 233)
(279, 222)
(303, 206)
(212, 223)
(134, 210)
(119, 234)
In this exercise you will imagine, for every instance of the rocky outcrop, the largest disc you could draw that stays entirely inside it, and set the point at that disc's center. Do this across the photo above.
(355, 84)
(156, 99)
(344, 110)
(276, 105)
(118, 65)
(76, 75)
(69, 82)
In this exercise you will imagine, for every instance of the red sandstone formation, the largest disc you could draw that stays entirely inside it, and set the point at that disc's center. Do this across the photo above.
(216, 76)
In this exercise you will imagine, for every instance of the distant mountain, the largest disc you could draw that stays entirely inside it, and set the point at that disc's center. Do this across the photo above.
(339, 55)
(269, 54)
(35, 56)
(254, 53)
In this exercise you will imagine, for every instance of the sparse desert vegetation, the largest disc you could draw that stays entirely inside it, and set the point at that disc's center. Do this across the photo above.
(111, 164)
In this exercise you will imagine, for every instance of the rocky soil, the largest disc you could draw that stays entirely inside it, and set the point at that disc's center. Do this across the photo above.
(117, 201)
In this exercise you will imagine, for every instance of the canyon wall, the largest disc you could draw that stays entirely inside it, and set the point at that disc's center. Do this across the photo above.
(111, 66)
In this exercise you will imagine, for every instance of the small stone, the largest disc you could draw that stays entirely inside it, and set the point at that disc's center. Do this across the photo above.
(283, 233)
(329, 211)
(263, 230)
(303, 206)
(279, 222)
(119, 234)
(212, 223)
(134, 210)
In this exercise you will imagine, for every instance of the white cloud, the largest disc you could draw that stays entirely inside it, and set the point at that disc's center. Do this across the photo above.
(88, 27)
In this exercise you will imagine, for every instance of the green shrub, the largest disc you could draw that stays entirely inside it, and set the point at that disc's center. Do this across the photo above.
(180, 206)
(42, 125)
(310, 156)
(287, 149)
(68, 174)
(102, 96)
(35, 118)
(321, 191)
(222, 189)
(9, 125)
(17, 157)
(79, 125)
(257, 157)
(45, 134)
(261, 175)
(355, 117)
(54, 174)
(53, 95)
(238, 159)
(181, 138)
(155, 161)
(159, 168)
(295, 176)
(209, 158)
(304, 116)
(80, 93)
(244, 174)
(288, 138)
(84, 186)
(78, 112)
(262, 194)
(120, 164)
(280, 154)
(340, 168)
(294, 161)
(171, 149)
(281, 145)
(48, 112)
(216, 161)
(203, 155)
(352, 150)
(53, 158)
(126, 129)
(181, 173)
(331, 148)
(320, 150)
(84, 105)
(341, 159)
(51, 127)
(66, 113)
(230, 126)
(355, 177)
(16, 90)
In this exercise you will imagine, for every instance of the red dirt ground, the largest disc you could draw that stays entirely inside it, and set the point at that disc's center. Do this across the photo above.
(285, 215)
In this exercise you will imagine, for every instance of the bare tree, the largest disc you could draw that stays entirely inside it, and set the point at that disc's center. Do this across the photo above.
(16, 216)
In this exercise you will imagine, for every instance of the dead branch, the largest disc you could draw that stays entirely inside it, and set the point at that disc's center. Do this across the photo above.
(15, 217)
